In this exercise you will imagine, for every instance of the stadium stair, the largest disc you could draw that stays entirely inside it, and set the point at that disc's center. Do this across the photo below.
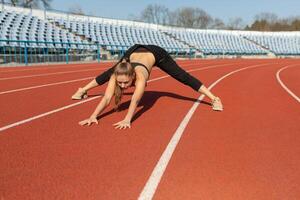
(269, 51)
(82, 37)
(198, 51)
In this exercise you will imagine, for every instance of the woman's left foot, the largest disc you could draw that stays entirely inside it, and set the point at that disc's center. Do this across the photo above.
(80, 94)
(217, 104)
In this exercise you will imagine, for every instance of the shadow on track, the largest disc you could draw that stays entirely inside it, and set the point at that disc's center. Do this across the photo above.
(148, 100)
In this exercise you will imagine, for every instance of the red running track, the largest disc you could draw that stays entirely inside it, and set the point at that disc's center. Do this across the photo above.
(249, 151)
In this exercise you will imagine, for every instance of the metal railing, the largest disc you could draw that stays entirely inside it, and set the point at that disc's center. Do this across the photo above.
(15, 52)
(28, 52)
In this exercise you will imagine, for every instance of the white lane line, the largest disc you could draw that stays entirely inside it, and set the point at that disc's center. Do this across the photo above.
(81, 102)
(54, 73)
(156, 175)
(63, 82)
(46, 85)
(61, 66)
(283, 85)
(17, 69)
(45, 114)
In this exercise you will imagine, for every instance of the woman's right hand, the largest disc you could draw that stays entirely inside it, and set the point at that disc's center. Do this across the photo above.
(88, 121)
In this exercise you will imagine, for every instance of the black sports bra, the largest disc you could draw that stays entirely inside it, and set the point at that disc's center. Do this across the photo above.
(134, 64)
(136, 49)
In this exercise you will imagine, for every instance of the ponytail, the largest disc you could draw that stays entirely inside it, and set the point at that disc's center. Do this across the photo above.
(118, 96)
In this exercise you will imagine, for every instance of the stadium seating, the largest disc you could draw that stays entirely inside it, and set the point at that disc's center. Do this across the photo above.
(81, 33)
(120, 37)
(216, 42)
(20, 27)
(284, 43)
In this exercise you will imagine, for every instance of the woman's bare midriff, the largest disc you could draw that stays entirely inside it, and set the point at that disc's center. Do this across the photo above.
(146, 58)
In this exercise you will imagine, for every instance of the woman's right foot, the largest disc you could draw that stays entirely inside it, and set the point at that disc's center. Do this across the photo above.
(80, 94)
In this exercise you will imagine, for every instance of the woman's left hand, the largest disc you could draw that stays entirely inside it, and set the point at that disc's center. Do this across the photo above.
(122, 124)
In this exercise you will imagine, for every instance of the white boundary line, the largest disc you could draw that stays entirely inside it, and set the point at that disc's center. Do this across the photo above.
(157, 173)
(81, 102)
(45, 114)
(54, 73)
(58, 73)
(16, 69)
(283, 85)
(64, 82)
(63, 65)
(46, 85)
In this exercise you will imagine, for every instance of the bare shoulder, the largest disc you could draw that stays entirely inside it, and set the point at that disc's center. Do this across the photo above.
(112, 77)
(141, 74)
(110, 89)
(111, 83)
(140, 79)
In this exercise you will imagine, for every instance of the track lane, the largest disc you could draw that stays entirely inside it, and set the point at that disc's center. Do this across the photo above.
(288, 77)
(23, 70)
(10, 86)
(21, 105)
(48, 78)
(249, 151)
(96, 162)
(32, 79)
(27, 72)
(44, 158)
(72, 66)
(17, 107)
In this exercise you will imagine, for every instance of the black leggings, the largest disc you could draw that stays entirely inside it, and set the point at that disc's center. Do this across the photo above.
(168, 65)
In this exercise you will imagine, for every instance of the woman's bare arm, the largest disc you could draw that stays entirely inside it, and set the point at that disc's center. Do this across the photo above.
(136, 97)
(109, 92)
(140, 85)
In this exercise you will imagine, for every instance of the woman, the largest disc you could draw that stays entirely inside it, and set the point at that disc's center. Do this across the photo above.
(134, 69)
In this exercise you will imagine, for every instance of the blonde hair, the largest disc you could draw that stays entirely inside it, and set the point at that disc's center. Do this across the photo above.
(123, 68)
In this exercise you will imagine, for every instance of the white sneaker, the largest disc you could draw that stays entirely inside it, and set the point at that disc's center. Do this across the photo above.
(80, 94)
(217, 104)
